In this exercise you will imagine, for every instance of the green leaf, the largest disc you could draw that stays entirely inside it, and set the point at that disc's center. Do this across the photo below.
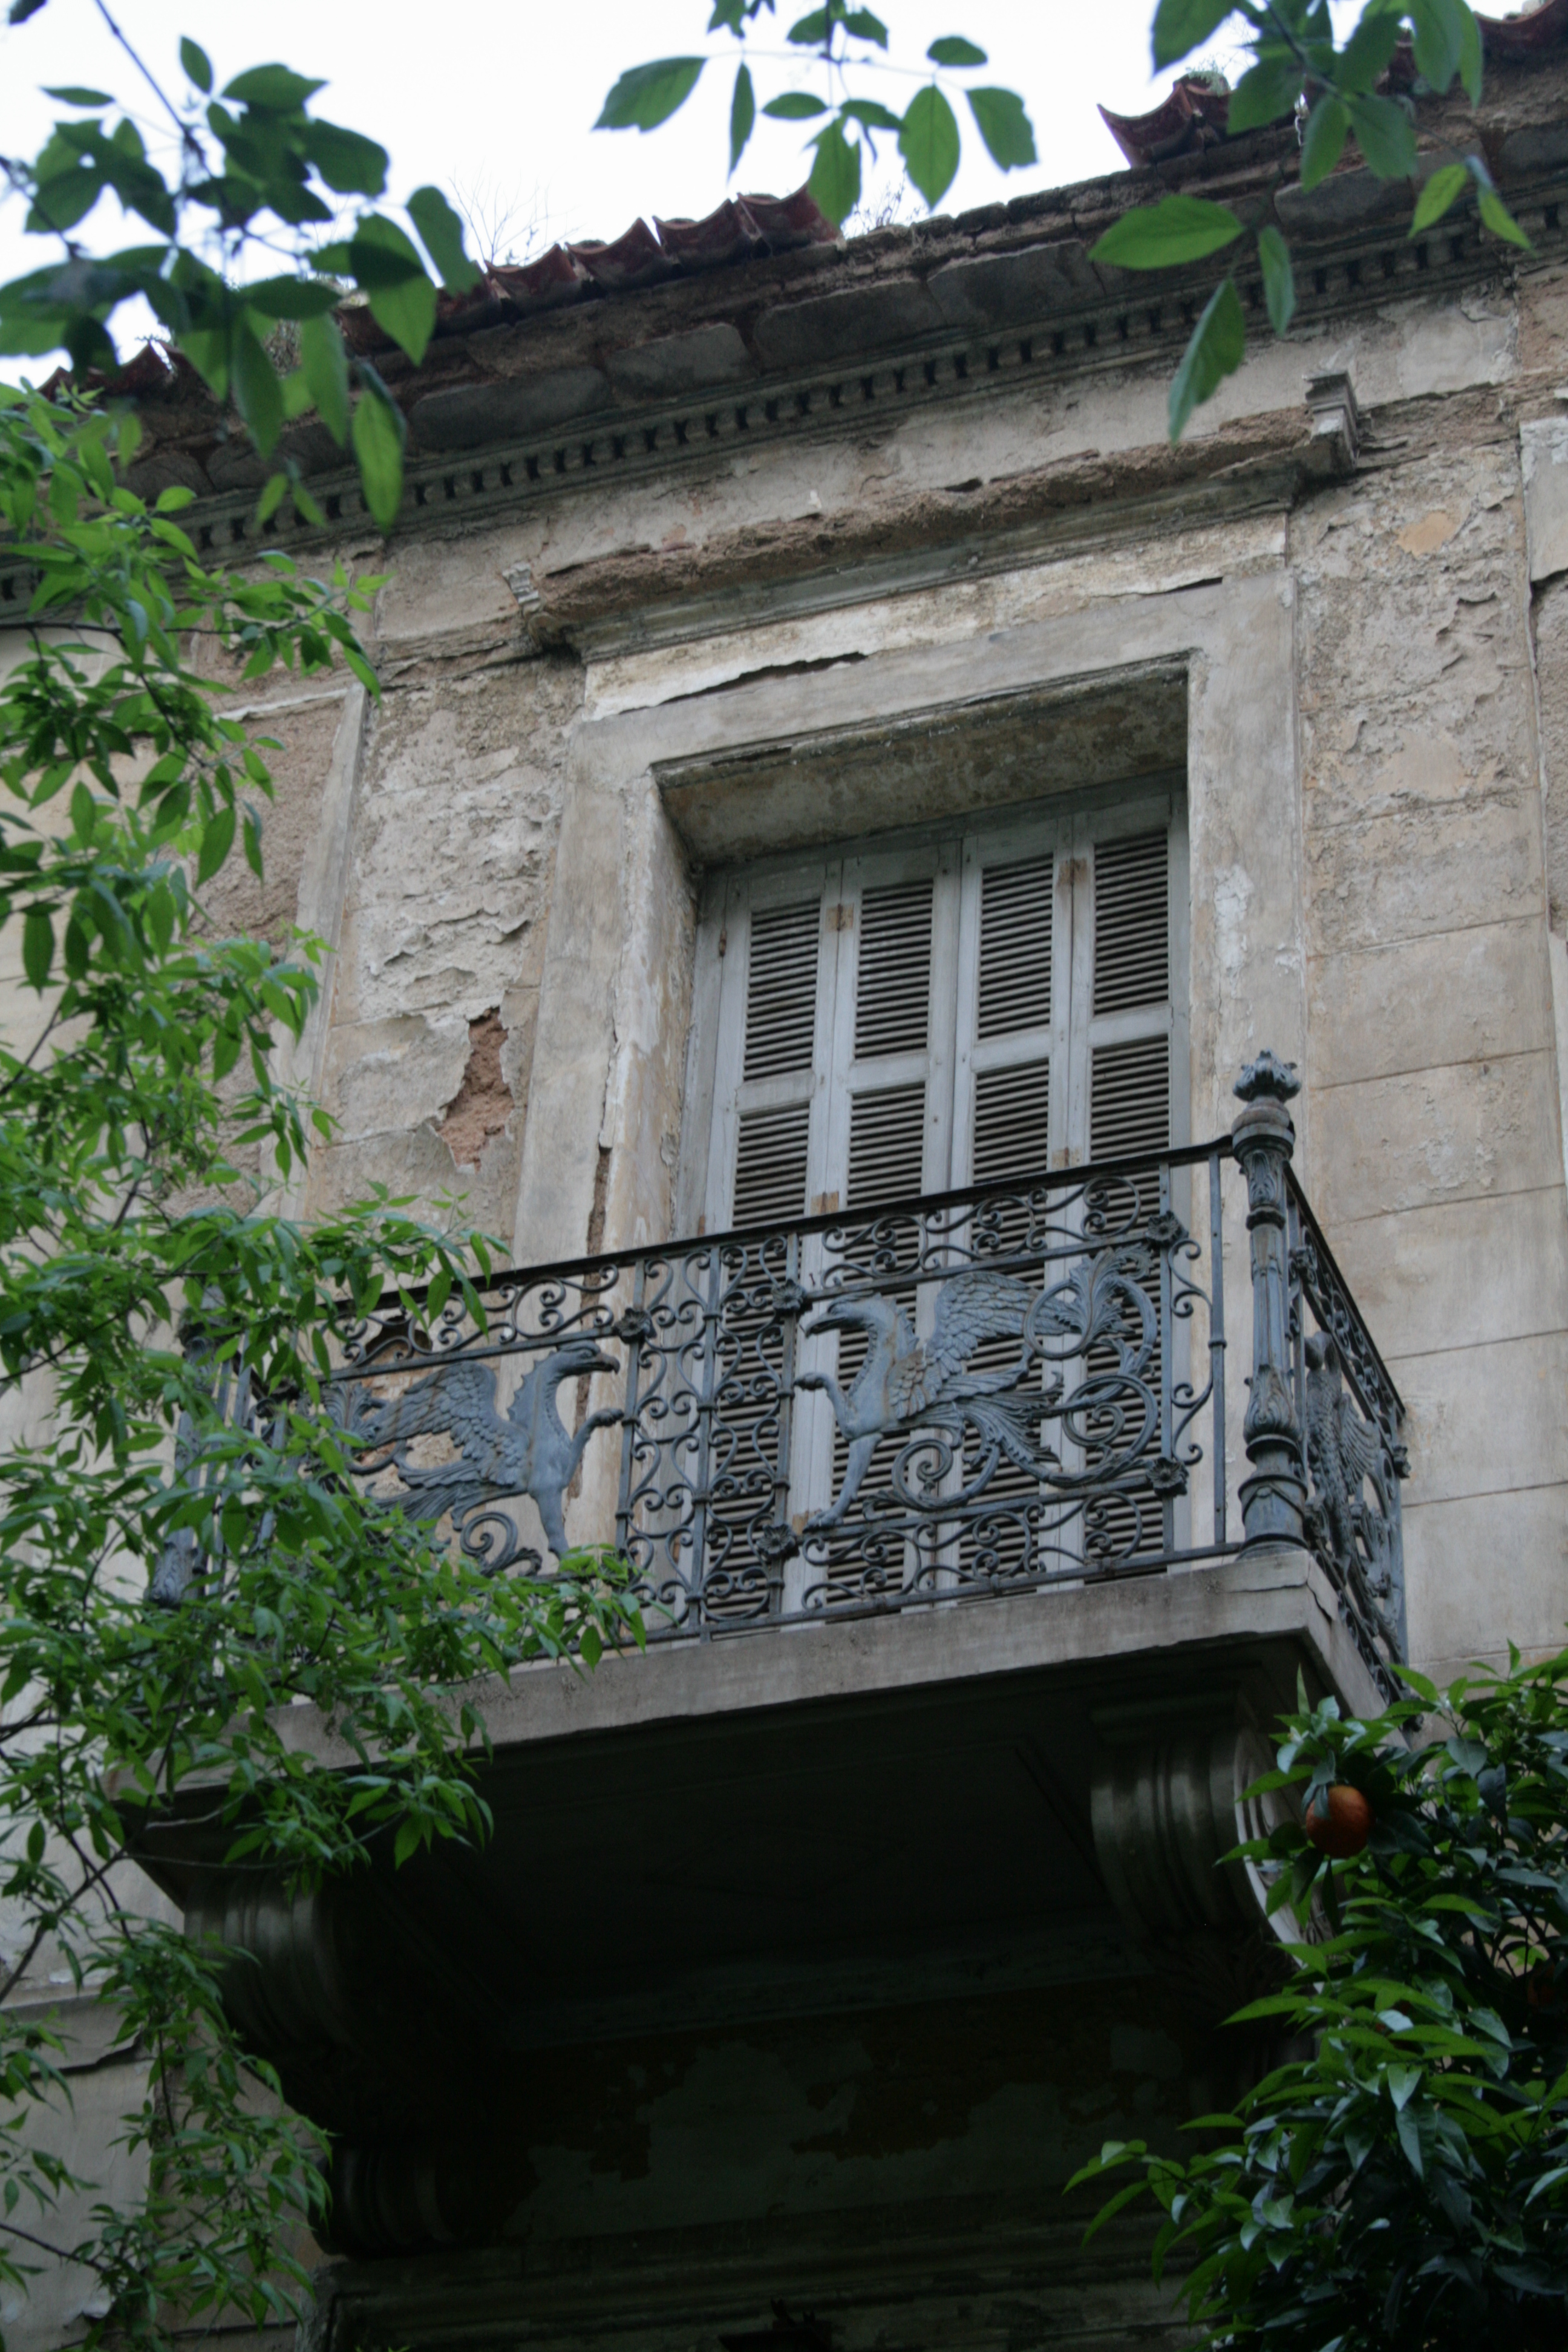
(794, 106)
(1440, 39)
(402, 299)
(1385, 135)
(1265, 94)
(1470, 53)
(324, 364)
(1278, 277)
(953, 50)
(807, 30)
(1407, 2124)
(1178, 228)
(271, 498)
(1499, 220)
(160, 919)
(1008, 133)
(218, 840)
(291, 297)
(928, 144)
(378, 436)
(647, 96)
(1322, 142)
(743, 113)
(257, 395)
(1182, 25)
(834, 182)
(71, 96)
(197, 65)
(862, 26)
(62, 200)
(349, 163)
(37, 947)
(20, 10)
(1213, 351)
(1445, 183)
(871, 112)
(1365, 56)
(273, 90)
(442, 232)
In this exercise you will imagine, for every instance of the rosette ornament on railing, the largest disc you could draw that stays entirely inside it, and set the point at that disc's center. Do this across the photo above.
(995, 1390)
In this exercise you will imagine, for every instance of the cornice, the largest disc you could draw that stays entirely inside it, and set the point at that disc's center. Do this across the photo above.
(1343, 276)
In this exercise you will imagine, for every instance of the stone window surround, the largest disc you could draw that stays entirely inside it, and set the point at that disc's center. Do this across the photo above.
(657, 793)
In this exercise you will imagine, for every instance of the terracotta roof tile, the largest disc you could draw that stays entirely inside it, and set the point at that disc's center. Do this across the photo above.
(738, 229)
(1524, 34)
(635, 258)
(1194, 115)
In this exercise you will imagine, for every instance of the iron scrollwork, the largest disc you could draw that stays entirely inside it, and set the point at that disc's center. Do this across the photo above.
(1355, 1456)
(992, 1390)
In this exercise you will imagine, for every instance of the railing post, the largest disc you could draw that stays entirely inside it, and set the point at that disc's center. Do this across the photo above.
(1274, 1498)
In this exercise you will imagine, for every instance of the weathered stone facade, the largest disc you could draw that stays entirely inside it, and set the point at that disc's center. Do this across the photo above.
(822, 544)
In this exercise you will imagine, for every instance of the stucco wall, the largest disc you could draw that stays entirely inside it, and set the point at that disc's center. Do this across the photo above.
(442, 935)
(1368, 861)
(1437, 1162)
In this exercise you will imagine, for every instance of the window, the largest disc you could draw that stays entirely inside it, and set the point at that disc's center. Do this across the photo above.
(959, 1008)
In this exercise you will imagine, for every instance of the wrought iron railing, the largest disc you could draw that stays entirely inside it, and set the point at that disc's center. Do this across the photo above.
(1350, 1414)
(1010, 1387)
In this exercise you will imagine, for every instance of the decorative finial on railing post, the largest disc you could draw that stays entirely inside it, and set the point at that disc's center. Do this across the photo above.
(1274, 1498)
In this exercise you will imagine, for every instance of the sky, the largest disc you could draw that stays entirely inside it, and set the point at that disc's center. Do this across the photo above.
(495, 104)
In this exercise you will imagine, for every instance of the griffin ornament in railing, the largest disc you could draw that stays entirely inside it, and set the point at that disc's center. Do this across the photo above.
(498, 1458)
(908, 1388)
(1040, 1429)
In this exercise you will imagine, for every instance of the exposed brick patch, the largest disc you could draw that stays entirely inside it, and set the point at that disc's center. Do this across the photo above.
(483, 1103)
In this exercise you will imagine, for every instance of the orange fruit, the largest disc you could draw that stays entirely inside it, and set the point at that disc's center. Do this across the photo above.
(1339, 1821)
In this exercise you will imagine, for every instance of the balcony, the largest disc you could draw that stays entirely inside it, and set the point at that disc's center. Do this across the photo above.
(1010, 1388)
(978, 1539)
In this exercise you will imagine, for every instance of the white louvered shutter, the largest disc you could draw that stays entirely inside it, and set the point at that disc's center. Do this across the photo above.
(892, 1024)
(769, 1137)
(889, 1119)
(890, 1087)
(1014, 1003)
(1128, 1027)
(1128, 1032)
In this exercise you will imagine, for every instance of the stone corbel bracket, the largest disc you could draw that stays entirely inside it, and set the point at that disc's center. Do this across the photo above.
(518, 578)
(1167, 1807)
(1336, 421)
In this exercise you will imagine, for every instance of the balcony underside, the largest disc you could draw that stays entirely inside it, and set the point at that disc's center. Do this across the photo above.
(890, 1810)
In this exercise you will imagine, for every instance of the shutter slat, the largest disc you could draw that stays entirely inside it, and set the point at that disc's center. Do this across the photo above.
(771, 1164)
(1012, 1122)
(887, 1145)
(1130, 1099)
(1015, 948)
(781, 988)
(1132, 923)
(893, 995)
